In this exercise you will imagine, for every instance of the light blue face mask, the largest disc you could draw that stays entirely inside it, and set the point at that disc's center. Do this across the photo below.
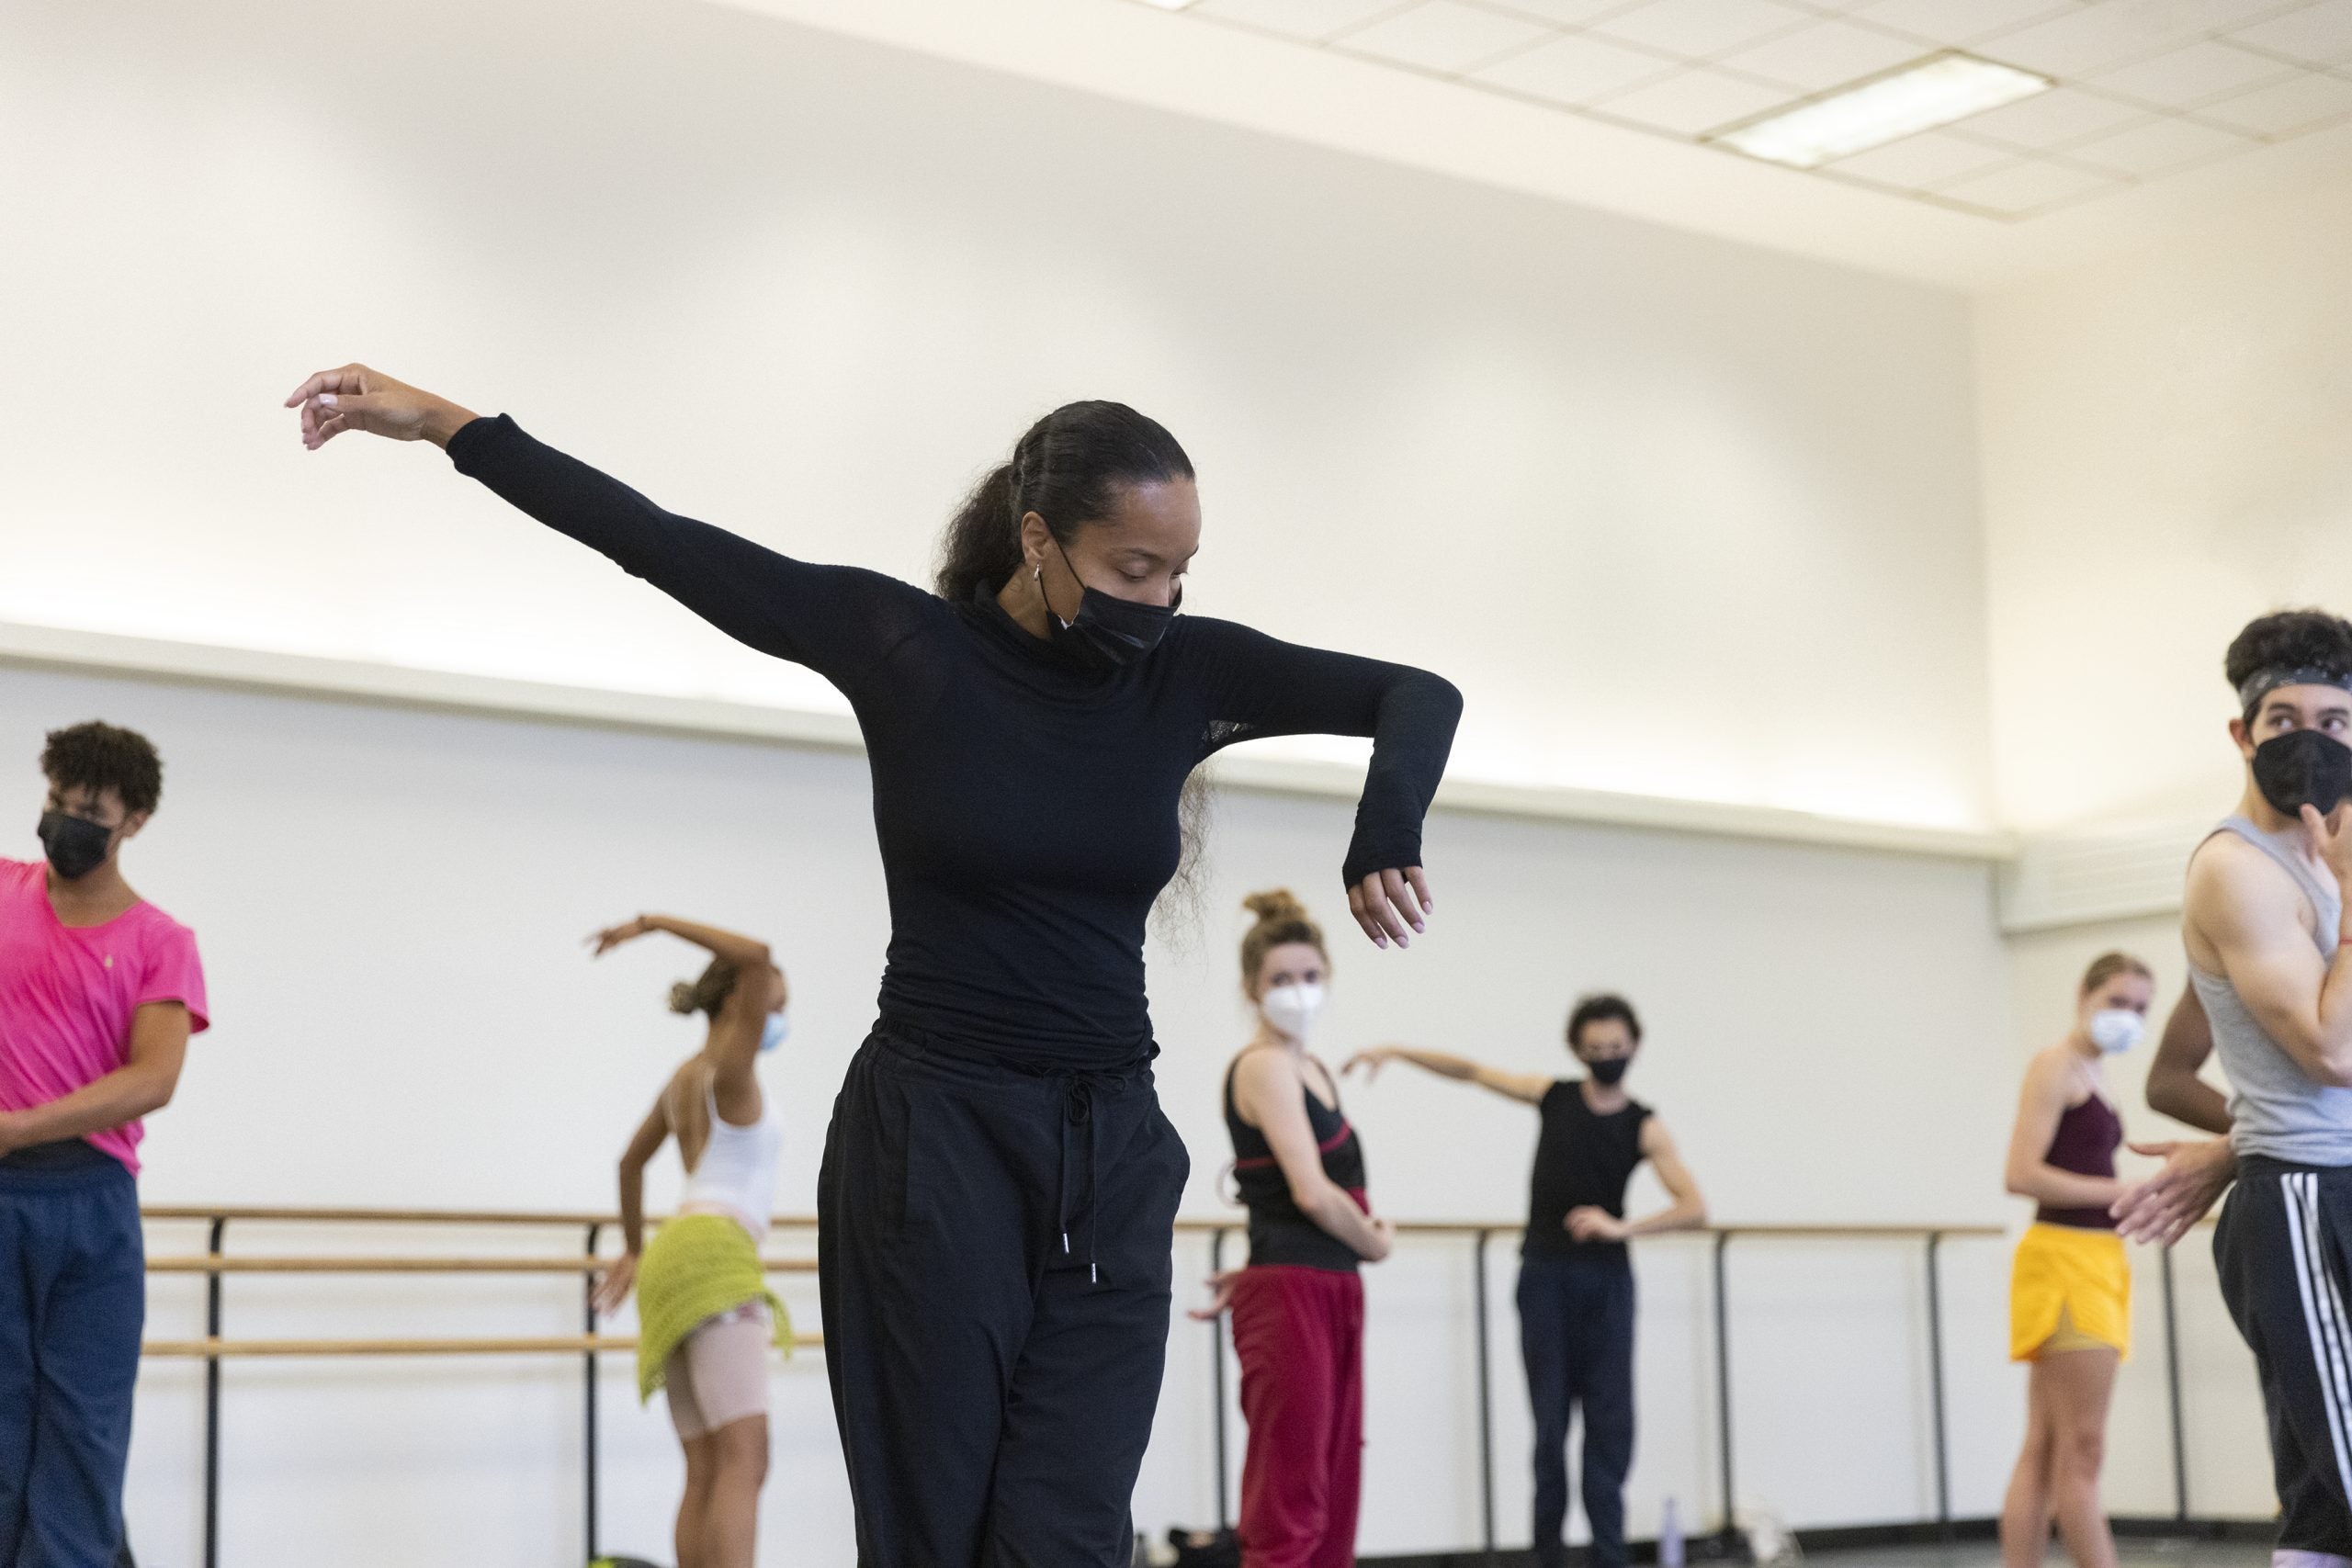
(775, 1032)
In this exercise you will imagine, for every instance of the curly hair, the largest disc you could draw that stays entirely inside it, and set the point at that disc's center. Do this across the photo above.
(2290, 639)
(1599, 1007)
(97, 756)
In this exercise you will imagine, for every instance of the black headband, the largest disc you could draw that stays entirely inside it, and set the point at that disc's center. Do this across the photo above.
(2264, 682)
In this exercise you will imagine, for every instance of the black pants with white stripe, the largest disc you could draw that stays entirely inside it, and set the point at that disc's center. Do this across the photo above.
(2282, 1252)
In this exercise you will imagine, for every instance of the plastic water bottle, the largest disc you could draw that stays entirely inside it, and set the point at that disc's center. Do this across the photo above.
(1669, 1538)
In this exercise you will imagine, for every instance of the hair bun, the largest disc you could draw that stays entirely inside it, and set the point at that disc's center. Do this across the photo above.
(681, 997)
(1279, 903)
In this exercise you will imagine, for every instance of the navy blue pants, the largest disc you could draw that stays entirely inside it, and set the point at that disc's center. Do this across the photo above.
(994, 1263)
(72, 1302)
(1576, 1335)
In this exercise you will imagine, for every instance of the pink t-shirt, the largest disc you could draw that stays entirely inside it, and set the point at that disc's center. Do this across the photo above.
(67, 994)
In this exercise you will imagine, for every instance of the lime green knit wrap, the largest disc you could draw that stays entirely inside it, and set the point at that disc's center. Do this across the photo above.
(696, 1266)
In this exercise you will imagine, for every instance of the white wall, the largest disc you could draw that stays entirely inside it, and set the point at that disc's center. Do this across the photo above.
(1675, 512)
(2164, 459)
(389, 903)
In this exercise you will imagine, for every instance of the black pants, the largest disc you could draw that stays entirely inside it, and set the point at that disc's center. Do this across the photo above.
(994, 1257)
(1576, 1335)
(2281, 1252)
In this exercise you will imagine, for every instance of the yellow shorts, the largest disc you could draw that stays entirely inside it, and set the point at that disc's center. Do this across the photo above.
(2070, 1289)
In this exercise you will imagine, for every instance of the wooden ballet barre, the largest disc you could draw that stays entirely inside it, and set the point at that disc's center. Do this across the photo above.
(420, 1217)
(217, 1263)
(545, 1345)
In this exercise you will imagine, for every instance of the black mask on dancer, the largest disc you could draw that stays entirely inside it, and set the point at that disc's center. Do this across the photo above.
(74, 845)
(2304, 768)
(1609, 1070)
(1110, 633)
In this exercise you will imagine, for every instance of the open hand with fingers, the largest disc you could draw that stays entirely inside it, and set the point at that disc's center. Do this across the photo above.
(1370, 1060)
(611, 937)
(356, 397)
(1220, 1286)
(1391, 905)
(614, 1284)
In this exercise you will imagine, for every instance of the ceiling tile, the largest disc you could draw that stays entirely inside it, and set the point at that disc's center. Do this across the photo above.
(1443, 35)
(1928, 158)
(1959, 21)
(1695, 29)
(1694, 101)
(2283, 108)
(1828, 54)
(2099, 38)
(2160, 144)
(2192, 73)
(1575, 70)
(2321, 34)
(2027, 185)
(1567, 13)
(2051, 119)
(1298, 18)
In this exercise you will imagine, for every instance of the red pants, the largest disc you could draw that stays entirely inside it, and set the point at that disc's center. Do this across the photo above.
(1299, 1332)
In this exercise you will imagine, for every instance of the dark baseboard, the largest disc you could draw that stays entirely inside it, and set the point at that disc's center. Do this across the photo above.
(1848, 1538)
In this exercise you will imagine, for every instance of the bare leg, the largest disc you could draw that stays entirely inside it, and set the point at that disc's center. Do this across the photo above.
(693, 1507)
(731, 1525)
(2081, 1383)
(2025, 1511)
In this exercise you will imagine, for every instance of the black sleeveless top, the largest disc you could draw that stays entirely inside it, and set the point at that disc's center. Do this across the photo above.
(2085, 1143)
(1279, 1233)
(1581, 1158)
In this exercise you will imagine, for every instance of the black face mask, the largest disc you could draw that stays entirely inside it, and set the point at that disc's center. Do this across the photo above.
(1606, 1071)
(75, 847)
(1110, 633)
(2302, 768)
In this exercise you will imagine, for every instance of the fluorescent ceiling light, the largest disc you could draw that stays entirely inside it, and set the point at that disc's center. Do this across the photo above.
(1169, 4)
(1916, 97)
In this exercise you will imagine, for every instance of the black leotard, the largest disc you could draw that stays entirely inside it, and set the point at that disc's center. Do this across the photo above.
(1026, 807)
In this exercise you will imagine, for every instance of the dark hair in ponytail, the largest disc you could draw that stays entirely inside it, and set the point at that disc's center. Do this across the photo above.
(1067, 469)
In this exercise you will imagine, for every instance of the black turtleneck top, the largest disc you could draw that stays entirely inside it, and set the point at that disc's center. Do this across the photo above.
(1026, 806)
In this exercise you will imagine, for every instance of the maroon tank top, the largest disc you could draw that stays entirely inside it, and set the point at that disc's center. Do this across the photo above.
(2085, 1143)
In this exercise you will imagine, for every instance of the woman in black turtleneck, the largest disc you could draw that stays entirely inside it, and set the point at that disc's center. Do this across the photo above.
(1000, 1187)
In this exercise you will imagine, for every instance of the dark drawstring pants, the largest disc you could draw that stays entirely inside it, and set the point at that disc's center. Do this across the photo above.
(72, 1302)
(994, 1264)
(1575, 1334)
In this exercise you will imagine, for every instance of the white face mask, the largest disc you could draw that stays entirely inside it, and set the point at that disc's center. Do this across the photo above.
(1292, 1009)
(775, 1032)
(2116, 1029)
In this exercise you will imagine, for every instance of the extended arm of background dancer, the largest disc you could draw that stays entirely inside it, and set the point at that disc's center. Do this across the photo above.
(1686, 1208)
(1528, 1087)
(734, 1046)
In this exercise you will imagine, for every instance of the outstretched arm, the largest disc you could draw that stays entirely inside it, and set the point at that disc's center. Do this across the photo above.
(2173, 1087)
(839, 621)
(735, 1033)
(1528, 1087)
(1262, 686)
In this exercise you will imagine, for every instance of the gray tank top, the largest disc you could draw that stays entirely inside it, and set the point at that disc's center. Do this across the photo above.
(2278, 1110)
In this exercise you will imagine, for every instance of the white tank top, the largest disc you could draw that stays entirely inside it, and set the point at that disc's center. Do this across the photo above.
(736, 1175)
